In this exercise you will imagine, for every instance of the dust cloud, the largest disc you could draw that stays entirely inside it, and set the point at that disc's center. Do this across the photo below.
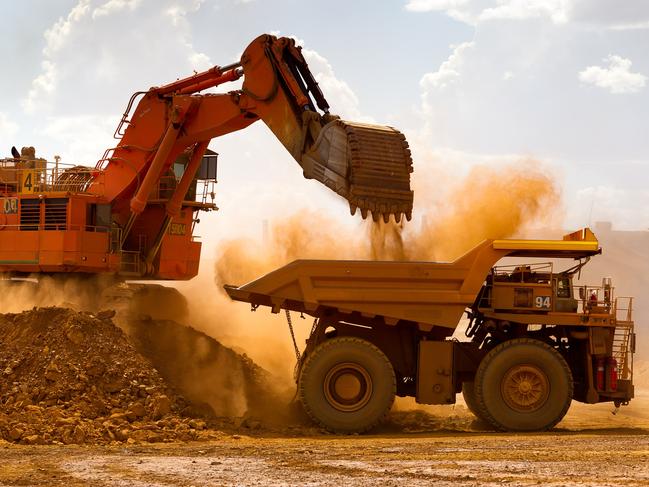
(63, 291)
(303, 235)
(490, 202)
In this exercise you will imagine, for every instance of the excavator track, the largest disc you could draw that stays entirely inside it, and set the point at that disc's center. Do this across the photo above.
(369, 165)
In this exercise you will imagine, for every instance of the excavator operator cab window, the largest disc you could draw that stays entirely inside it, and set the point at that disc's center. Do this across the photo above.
(179, 170)
(208, 167)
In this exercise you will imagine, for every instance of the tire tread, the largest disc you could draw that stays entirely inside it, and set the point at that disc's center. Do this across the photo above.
(482, 410)
(322, 348)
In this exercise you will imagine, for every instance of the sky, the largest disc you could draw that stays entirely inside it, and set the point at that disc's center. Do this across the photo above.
(470, 82)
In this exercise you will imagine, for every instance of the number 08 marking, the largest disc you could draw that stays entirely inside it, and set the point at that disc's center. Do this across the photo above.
(10, 206)
(542, 302)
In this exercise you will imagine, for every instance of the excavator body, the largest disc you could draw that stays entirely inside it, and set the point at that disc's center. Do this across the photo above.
(134, 213)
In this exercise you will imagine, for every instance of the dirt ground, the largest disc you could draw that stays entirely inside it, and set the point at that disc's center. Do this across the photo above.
(153, 414)
(441, 446)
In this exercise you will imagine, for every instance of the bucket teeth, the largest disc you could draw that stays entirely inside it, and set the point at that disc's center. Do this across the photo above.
(397, 217)
(369, 165)
(380, 165)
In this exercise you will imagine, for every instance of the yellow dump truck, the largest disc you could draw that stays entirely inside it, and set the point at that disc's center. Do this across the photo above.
(534, 340)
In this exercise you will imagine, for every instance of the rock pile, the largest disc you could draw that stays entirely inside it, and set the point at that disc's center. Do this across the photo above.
(68, 377)
(216, 380)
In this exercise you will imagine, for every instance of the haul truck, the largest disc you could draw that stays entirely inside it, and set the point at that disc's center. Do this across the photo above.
(535, 339)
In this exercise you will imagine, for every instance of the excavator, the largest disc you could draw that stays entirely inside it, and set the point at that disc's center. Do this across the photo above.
(134, 214)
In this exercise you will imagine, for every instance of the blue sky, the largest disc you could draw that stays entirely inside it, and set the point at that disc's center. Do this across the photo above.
(470, 82)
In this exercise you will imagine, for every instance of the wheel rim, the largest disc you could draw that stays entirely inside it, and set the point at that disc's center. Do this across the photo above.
(525, 388)
(348, 387)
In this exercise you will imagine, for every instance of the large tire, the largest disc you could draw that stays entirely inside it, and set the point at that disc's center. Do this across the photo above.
(468, 393)
(523, 385)
(347, 385)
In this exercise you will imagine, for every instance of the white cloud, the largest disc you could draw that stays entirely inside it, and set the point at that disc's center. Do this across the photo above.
(57, 35)
(505, 90)
(340, 96)
(617, 77)
(42, 86)
(631, 26)
(338, 93)
(178, 11)
(625, 207)
(428, 5)
(440, 92)
(80, 137)
(89, 50)
(556, 10)
(8, 130)
(476, 11)
(612, 15)
(449, 71)
(113, 6)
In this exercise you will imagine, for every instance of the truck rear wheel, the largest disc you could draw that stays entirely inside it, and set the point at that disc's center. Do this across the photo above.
(523, 385)
(347, 385)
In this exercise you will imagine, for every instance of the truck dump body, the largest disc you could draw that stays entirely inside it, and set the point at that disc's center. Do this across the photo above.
(430, 294)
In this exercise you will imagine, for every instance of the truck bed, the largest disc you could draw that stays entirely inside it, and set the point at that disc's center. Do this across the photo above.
(427, 293)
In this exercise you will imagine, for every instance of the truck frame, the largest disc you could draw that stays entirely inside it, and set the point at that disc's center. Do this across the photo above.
(534, 340)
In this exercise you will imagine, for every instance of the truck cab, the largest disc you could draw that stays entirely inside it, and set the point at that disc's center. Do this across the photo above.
(529, 288)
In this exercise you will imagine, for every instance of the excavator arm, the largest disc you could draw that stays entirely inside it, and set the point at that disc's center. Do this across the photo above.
(369, 165)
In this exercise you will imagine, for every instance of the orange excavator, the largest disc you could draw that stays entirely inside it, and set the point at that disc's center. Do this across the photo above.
(134, 214)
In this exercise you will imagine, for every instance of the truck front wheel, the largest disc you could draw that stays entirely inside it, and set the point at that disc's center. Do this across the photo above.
(468, 393)
(523, 385)
(347, 385)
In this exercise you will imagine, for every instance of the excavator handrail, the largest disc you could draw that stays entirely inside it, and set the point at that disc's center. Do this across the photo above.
(118, 134)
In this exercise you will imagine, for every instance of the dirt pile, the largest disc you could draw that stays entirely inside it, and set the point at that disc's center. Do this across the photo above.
(71, 377)
(216, 380)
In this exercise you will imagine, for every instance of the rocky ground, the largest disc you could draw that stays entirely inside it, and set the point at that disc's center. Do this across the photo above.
(76, 378)
(155, 403)
(591, 458)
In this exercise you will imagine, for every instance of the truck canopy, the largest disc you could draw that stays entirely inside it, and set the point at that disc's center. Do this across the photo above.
(430, 294)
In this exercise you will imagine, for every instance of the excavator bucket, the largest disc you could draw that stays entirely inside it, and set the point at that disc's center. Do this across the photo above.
(369, 165)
